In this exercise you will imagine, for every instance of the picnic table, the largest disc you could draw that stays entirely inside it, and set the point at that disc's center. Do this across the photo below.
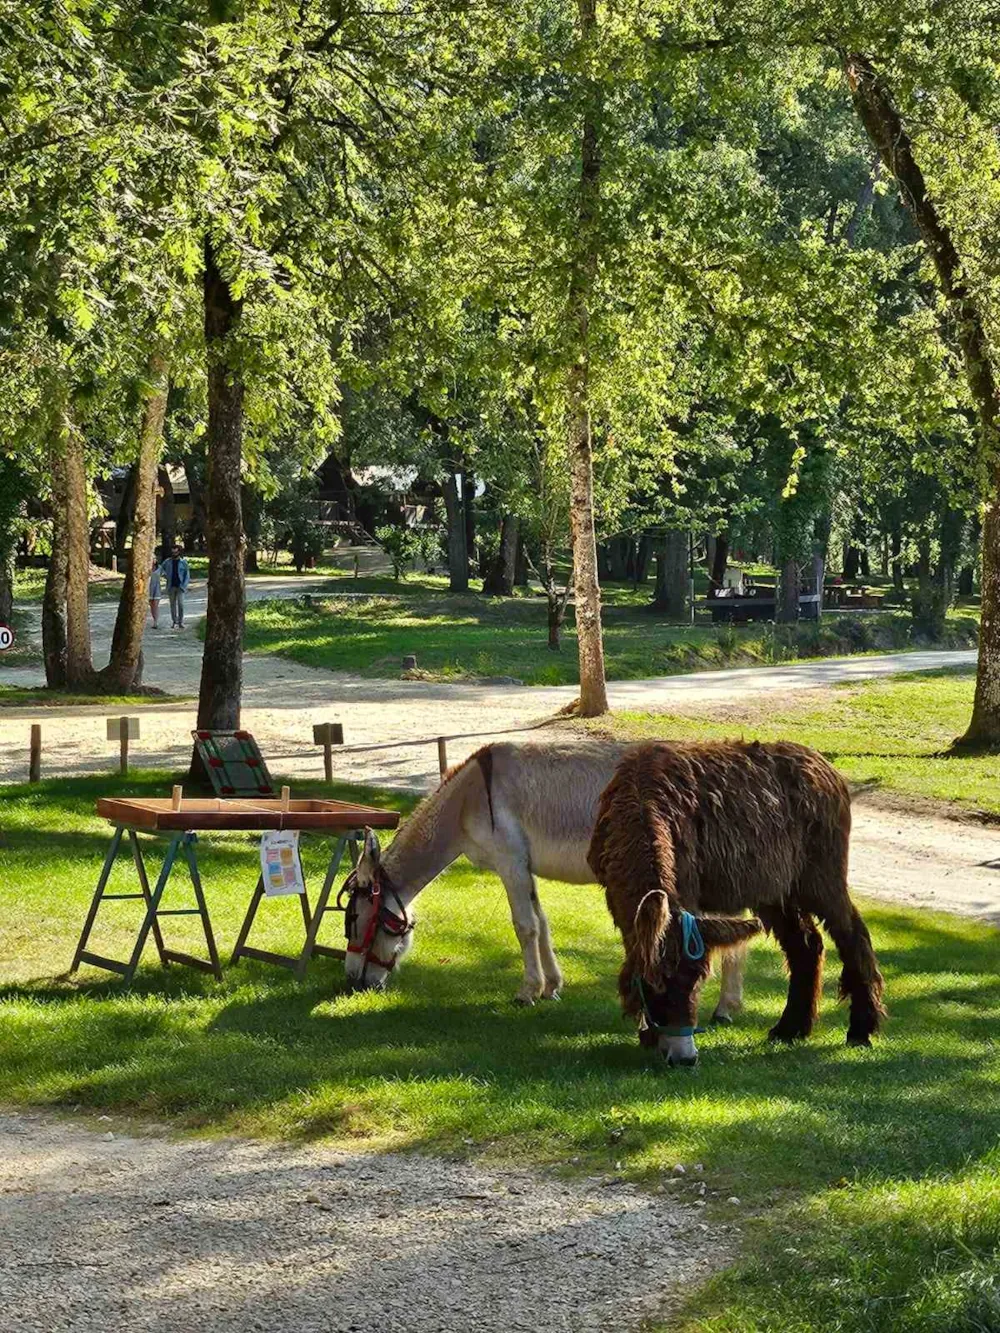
(759, 601)
(178, 823)
(853, 595)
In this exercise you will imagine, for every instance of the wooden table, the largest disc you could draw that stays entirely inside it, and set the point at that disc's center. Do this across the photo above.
(180, 825)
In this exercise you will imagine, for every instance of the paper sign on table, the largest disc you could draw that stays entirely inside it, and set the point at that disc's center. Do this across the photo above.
(280, 865)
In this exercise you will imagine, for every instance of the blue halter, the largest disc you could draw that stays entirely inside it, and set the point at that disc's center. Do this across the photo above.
(693, 944)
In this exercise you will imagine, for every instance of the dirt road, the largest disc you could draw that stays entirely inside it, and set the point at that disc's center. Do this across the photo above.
(105, 1231)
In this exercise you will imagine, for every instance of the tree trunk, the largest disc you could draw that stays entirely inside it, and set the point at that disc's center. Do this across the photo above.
(787, 609)
(642, 556)
(124, 670)
(54, 598)
(950, 545)
(469, 511)
(895, 559)
(881, 118)
(79, 661)
(822, 528)
(590, 642)
(222, 663)
(818, 578)
(165, 511)
(603, 562)
(618, 551)
(194, 470)
(720, 559)
(670, 594)
(500, 577)
(123, 523)
(6, 587)
(863, 204)
(250, 502)
(458, 551)
(521, 565)
(928, 603)
(556, 614)
(967, 574)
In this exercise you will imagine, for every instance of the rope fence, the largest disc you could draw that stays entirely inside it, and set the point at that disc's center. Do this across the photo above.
(328, 738)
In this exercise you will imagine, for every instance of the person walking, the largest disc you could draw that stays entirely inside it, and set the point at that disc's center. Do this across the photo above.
(177, 576)
(153, 592)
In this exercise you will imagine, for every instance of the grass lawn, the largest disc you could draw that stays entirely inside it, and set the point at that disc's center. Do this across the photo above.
(26, 696)
(29, 585)
(461, 637)
(869, 1178)
(890, 734)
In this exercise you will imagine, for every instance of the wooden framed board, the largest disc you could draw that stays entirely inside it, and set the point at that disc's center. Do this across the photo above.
(157, 813)
(178, 821)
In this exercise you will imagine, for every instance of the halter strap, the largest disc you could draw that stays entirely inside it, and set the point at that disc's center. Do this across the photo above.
(392, 923)
(693, 943)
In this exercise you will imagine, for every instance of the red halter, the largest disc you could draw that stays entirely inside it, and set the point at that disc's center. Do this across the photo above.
(381, 917)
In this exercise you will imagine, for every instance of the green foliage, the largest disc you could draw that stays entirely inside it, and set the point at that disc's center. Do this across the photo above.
(401, 544)
(14, 490)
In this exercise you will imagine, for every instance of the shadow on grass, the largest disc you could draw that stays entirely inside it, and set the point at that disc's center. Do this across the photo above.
(444, 1055)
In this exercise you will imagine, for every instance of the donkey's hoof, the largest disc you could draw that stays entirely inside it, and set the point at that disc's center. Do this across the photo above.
(524, 1001)
(722, 1019)
(787, 1035)
(858, 1039)
(551, 994)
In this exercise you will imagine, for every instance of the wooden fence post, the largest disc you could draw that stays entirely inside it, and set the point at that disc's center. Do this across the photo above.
(122, 729)
(328, 734)
(442, 755)
(35, 759)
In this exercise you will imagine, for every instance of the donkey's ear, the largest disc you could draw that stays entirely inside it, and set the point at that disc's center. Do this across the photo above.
(726, 932)
(371, 851)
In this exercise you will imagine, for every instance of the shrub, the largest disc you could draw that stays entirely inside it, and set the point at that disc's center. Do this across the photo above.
(400, 544)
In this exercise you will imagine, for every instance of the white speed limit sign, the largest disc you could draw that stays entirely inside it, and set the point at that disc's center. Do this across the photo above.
(6, 638)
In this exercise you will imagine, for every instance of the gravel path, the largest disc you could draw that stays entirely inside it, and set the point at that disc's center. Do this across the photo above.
(103, 1231)
(283, 700)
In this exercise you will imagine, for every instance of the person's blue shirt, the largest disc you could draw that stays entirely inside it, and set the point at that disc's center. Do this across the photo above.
(175, 579)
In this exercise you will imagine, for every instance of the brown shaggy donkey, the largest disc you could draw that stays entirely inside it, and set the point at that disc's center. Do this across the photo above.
(720, 827)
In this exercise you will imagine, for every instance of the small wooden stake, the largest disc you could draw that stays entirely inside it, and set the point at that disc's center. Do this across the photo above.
(124, 745)
(177, 795)
(35, 760)
(285, 795)
(328, 734)
(442, 755)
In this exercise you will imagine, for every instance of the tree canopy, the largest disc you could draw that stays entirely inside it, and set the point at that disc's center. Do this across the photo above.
(673, 246)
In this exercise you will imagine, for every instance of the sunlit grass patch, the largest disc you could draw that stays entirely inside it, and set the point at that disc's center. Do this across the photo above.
(889, 734)
(470, 636)
(901, 1256)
